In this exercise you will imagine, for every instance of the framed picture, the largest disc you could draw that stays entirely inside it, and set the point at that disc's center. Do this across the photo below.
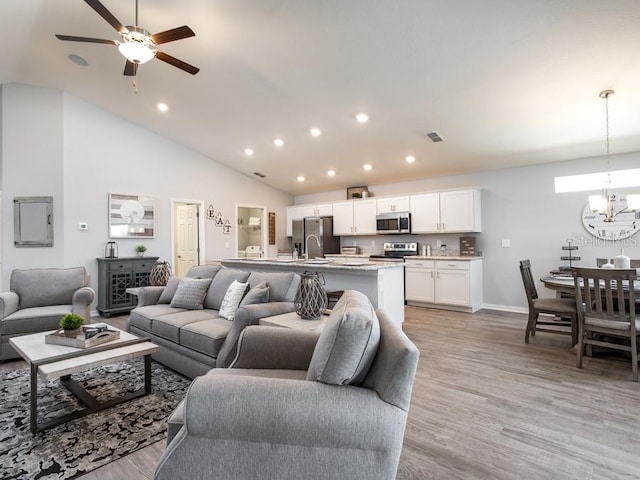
(131, 216)
(357, 192)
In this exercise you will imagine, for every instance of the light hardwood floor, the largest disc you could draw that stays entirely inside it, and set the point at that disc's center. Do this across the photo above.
(487, 406)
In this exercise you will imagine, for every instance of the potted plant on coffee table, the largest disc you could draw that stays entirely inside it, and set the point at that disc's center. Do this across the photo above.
(71, 324)
(141, 249)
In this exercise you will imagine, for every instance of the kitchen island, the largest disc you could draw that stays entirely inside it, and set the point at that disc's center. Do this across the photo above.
(382, 282)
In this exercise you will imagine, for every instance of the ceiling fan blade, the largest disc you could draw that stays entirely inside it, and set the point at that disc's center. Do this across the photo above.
(177, 63)
(71, 38)
(130, 69)
(172, 35)
(107, 15)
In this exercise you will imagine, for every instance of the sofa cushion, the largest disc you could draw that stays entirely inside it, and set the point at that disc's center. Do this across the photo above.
(348, 343)
(260, 372)
(258, 294)
(206, 337)
(203, 271)
(33, 320)
(232, 299)
(168, 326)
(169, 290)
(282, 285)
(47, 286)
(220, 285)
(142, 317)
(190, 293)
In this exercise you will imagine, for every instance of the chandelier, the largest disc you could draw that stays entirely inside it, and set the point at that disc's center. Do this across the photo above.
(607, 203)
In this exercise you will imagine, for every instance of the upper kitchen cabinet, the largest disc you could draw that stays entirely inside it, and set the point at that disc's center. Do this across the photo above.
(393, 204)
(356, 217)
(298, 212)
(450, 211)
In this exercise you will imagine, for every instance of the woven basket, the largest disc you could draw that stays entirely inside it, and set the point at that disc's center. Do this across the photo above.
(311, 298)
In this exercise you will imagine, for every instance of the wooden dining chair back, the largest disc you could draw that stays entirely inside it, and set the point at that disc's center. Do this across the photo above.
(635, 263)
(602, 261)
(561, 307)
(605, 300)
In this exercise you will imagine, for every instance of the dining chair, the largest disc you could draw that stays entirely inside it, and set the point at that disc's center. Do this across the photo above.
(635, 263)
(602, 261)
(560, 307)
(606, 309)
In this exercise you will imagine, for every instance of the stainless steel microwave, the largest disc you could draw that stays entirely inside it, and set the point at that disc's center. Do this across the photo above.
(393, 223)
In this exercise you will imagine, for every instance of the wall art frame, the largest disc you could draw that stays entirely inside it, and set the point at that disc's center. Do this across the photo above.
(131, 216)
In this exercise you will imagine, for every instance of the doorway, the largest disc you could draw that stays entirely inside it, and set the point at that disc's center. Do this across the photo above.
(251, 236)
(187, 239)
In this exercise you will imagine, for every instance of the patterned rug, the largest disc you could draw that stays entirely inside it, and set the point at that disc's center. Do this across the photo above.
(82, 445)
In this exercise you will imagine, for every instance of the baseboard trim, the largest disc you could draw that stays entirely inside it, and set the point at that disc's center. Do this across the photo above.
(505, 308)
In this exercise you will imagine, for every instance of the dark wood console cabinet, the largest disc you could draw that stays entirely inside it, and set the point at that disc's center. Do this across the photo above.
(115, 275)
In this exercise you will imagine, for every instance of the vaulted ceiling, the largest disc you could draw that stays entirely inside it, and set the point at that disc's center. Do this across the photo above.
(505, 83)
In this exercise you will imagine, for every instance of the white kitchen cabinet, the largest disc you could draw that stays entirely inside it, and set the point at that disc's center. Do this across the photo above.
(448, 284)
(419, 280)
(298, 212)
(425, 213)
(393, 204)
(460, 211)
(356, 217)
(319, 210)
(449, 211)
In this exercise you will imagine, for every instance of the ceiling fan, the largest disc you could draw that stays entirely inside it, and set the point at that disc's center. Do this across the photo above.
(138, 46)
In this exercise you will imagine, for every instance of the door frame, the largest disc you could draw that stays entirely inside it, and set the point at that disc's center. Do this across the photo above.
(200, 205)
(264, 226)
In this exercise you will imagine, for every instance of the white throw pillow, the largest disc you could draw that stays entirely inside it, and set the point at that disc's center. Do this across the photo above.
(232, 299)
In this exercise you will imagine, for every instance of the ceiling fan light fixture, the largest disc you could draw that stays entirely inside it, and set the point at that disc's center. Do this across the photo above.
(136, 52)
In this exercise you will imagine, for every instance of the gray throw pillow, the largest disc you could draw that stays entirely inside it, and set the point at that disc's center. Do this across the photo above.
(190, 293)
(348, 343)
(169, 290)
(258, 294)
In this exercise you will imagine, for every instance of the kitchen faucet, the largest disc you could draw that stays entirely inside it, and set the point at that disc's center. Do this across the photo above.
(306, 245)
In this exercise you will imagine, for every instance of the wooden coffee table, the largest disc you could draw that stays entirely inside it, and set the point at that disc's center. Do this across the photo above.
(58, 361)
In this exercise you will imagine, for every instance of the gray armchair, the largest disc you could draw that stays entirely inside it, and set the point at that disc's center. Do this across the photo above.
(298, 405)
(37, 300)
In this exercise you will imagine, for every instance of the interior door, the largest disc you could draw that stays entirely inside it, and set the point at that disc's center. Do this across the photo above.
(187, 238)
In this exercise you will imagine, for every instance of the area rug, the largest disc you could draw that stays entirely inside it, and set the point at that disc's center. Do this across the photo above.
(80, 446)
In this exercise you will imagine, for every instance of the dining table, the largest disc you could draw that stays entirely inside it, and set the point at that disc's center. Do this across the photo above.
(564, 286)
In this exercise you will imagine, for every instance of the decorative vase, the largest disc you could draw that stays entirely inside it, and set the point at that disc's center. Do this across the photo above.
(160, 273)
(141, 254)
(311, 299)
(72, 333)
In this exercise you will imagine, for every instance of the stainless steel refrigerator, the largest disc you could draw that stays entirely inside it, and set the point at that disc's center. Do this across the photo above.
(322, 228)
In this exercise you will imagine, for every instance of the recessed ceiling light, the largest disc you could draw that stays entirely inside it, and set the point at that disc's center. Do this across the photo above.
(278, 142)
(315, 132)
(409, 159)
(248, 152)
(362, 117)
(367, 167)
(331, 173)
(300, 178)
(163, 107)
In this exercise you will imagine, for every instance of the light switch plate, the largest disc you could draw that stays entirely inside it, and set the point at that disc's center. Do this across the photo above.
(506, 243)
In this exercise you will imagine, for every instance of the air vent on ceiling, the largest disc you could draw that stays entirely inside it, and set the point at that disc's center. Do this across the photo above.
(434, 137)
(258, 174)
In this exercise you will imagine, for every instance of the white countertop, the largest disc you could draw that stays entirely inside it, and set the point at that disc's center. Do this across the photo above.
(434, 257)
(364, 265)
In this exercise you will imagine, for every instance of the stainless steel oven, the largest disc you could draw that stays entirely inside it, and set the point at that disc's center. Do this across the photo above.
(393, 223)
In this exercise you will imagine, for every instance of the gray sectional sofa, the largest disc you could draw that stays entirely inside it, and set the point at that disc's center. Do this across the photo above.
(192, 341)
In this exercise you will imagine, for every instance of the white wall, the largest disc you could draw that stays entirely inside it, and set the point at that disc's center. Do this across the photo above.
(518, 204)
(84, 153)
